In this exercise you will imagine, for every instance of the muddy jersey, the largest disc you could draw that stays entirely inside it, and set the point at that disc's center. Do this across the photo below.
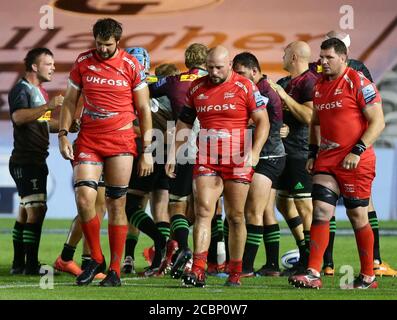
(301, 90)
(274, 145)
(31, 139)
(223, 111)
(340, 104)
(176, 88)
(107, 87)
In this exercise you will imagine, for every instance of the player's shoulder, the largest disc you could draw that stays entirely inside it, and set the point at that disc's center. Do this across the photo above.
(263, 85)
(356, 78)
(310, 75)
(352, 74)
(21, 86)
(321, 80)
(198, 83)
(240, 78)
(284, 82)
(128, 59)
(85, 55)
(243, 82)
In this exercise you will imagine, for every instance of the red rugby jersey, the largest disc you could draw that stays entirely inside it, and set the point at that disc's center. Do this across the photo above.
(224, 110)
(340, 104)
(107, 87)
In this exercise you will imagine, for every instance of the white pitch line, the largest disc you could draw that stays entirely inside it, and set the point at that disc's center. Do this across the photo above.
(30, 285)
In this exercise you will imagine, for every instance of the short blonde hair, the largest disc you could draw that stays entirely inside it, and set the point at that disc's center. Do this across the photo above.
(196, 55)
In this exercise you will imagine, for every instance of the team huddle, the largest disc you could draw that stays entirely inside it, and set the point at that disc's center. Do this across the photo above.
(221, 133)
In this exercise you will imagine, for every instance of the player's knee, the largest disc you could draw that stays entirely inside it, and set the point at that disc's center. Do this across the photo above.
(355, 203)
(254, 217)
(36, 203)
(236, 219)
(203, 211)
(34, 200)
(116, 192)
(36, 207)
(324, 194)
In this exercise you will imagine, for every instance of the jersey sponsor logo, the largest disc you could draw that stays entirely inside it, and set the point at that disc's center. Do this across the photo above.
(327, 144)
(37, 100)
(46, 116)
(188, 77)
(130, 62)
(242, 86)
(369, 93)
(349, 188)
(194, 89)
(216, 107)
(338, 91)
(154, 79)
(299, 186)
(329, 105)
(34, 184)
(260, 100)
(83, 155)
(93, 68)
(228, 95)
(82, 58)
(202, 96)
(110, 82)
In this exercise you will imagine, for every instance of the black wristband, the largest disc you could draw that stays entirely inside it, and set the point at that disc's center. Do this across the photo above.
(313, 150)
(62, 132)
(359, 148)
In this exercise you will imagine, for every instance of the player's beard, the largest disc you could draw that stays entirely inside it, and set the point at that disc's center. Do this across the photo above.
(106, 55)
(217, 80)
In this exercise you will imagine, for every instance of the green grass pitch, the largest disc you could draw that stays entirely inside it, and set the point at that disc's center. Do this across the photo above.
(165, 288)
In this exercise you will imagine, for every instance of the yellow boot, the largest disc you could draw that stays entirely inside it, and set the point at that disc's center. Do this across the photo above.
(383, 269)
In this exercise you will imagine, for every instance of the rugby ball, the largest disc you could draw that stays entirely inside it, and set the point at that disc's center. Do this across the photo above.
(290, 258)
